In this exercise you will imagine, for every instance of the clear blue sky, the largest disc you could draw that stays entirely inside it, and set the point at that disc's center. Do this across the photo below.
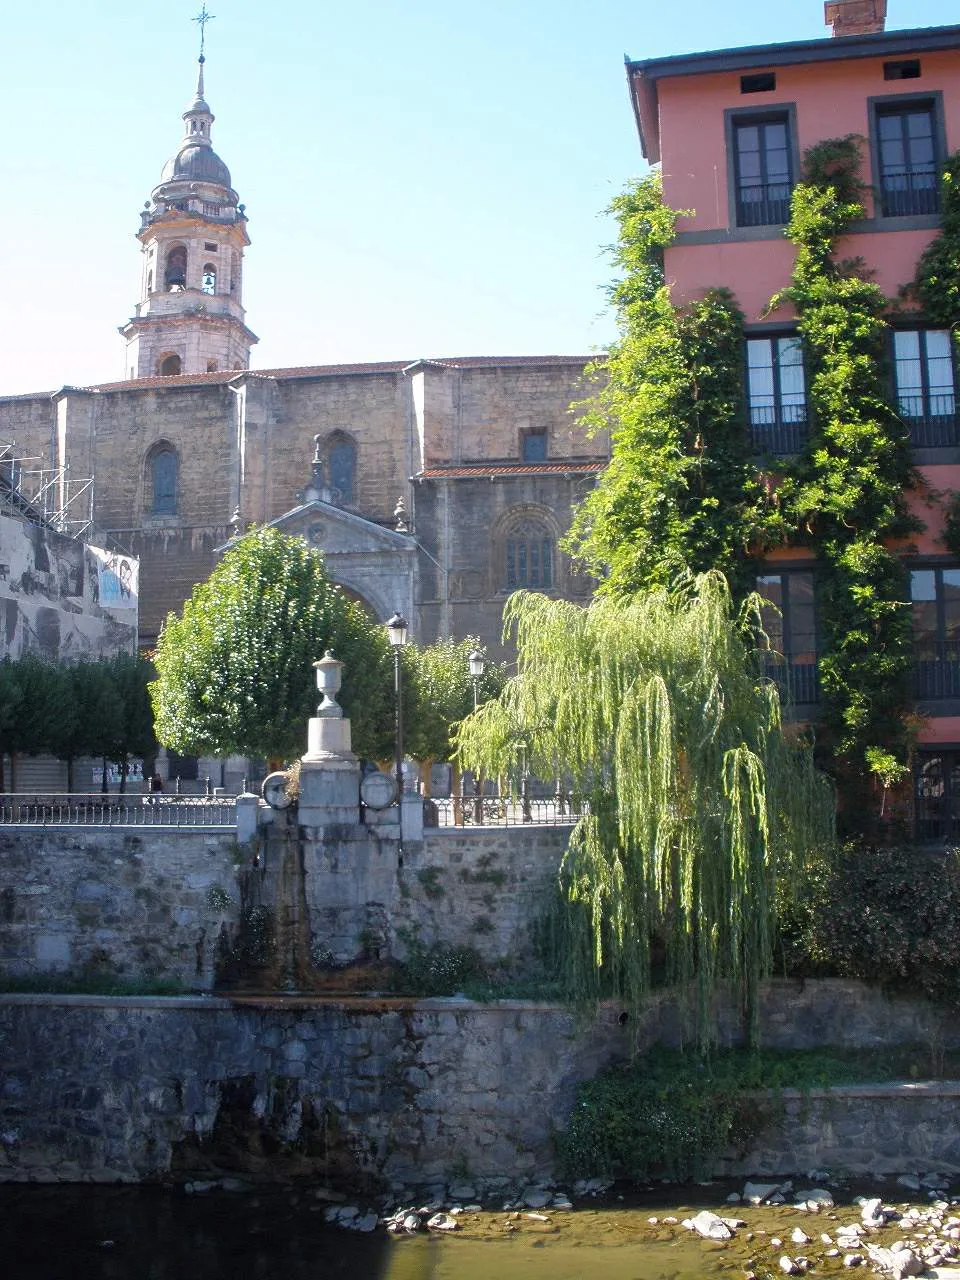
(421, 178)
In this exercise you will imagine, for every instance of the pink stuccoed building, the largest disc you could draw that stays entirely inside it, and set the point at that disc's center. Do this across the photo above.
(729, 128)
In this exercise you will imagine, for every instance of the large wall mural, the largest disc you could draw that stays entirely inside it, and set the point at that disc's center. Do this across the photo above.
(62, 599)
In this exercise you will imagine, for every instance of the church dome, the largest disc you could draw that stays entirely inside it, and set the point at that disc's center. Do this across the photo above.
(194, 163)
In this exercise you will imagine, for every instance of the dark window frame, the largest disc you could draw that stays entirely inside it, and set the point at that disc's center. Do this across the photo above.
(928, 430)
(530, 435)
(164, 500)
(760, 114)
(800, 679)
(780, 438)
(901, 104)
(520, 569)
(937, 814)
(936, 678)
(340, 442)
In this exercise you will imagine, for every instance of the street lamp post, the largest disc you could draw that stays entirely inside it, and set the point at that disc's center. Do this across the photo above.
(397, 633)
(476, 671)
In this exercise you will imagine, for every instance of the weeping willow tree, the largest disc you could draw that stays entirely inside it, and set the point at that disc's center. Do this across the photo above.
(699, 808)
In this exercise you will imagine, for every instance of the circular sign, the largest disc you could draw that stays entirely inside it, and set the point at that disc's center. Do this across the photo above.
(377, 790)
(274, 790)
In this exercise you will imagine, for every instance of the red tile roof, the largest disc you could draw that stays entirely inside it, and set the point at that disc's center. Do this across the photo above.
(484, 470)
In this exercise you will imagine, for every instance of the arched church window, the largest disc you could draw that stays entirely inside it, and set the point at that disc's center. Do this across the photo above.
(528, 556)
(342, 457)
(169, 366)
(149, 282)
(175, 275)
(163, 480)
(208, 282)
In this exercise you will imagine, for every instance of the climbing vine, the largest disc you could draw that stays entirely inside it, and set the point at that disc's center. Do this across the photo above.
(937, 283)
(682, 489)
(847, 491)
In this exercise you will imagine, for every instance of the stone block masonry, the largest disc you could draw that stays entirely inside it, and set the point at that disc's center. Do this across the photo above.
(356, 1092)
(115, 904)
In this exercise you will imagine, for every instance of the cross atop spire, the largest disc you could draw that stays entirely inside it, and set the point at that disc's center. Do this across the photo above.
(203, 18)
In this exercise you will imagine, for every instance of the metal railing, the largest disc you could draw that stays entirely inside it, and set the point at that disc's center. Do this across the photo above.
(98, 810)
(763, 205)
(931, 420)
(777, 436)
(561, 809)
(798, 681)
(915, 192)
(936, 671)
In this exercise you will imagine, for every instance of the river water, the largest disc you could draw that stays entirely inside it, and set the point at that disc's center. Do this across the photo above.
(120, 1233)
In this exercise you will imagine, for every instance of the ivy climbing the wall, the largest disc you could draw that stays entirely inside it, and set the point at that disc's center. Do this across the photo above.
(937, 284)
(682, 489)
(847, 492)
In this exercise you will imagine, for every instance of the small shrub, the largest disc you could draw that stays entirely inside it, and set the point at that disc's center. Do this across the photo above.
(435, 970)
(884, 915)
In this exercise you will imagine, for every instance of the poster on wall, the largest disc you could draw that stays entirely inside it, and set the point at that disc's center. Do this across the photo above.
(115, 773)
(118, 579)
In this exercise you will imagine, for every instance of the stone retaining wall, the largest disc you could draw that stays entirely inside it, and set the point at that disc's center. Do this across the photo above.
(97, 901)
(378, 1090)
(151, 904)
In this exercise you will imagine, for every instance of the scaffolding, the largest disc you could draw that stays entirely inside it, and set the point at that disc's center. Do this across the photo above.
(45, 496)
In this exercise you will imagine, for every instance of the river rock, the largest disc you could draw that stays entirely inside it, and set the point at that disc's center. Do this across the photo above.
(757, 1192)
(709, 1226)
(909, 1180)
(799, 1237)
(899, 1262)
(442, 1222)
(816, 1198)
(463, 1191)
(853, 1260)
(871, 1212)
(366, 1222)
(788, 1266)
(536, 1199)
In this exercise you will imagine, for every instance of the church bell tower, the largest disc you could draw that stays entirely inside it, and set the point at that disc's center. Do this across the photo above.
(190, 316)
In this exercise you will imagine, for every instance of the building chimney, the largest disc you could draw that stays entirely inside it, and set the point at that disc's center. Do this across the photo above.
(855, 17)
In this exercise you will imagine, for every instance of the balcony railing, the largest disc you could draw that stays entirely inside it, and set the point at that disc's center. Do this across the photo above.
(931, 420)
(910, 193)
(778, 434)
(936, 671)
(764, 205)
(798, 682)
(97, 810)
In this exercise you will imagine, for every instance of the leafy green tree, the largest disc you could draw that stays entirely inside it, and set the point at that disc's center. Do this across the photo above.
(133, 730)
(697, 803)
(10, 711)
(234, 670)
(682, 489)
(441, 695)
(39, 691)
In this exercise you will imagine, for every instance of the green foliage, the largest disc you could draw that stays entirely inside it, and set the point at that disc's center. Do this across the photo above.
(888, 916)
(682, 489)
(698, 805)
(937, 283)
(234, 670)
(847, 492)
(98, 708)
(434, 970)
(670, 1114)
(438, 693)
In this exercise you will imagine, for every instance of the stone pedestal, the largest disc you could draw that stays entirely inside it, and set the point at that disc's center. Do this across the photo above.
(329, 775)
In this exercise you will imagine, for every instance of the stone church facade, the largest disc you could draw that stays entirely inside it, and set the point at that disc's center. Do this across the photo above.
(435, 487)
